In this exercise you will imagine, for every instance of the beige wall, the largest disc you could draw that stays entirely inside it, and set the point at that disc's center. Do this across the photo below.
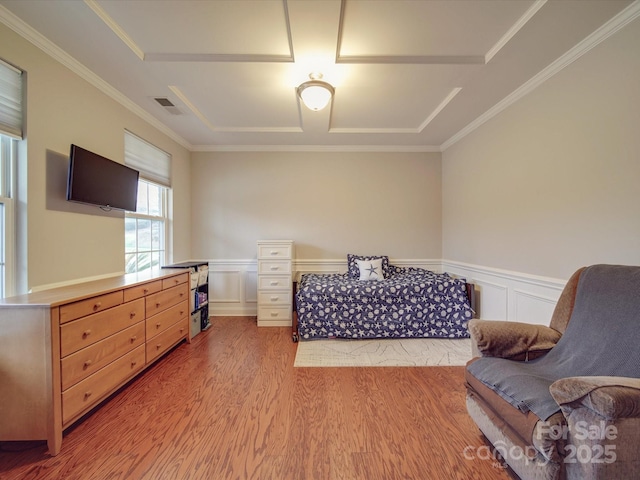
(552, 183)
(68, 241)
(330, 204)
(546, 186)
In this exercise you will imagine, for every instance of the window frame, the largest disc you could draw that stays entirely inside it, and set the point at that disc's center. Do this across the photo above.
(144, 216)
(8, 163)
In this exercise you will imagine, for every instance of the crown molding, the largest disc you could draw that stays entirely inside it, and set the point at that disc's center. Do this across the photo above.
(614, 25)
(411, 59)
(411, 130)
(318, 148)
(190, 57)
(216, 57)
(115, 28)
(515, 28)
(618, 22)
(400, 59)
(439, 108)
(40, 41)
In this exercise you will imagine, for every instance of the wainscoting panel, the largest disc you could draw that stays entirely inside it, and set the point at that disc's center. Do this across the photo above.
(501, 295)
(491, 299)
(232, 288)
(226, 284)
(511, 296)
(533, 308)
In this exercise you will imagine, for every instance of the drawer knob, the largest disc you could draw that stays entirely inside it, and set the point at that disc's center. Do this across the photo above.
(133, 363)
(177, 281)
(145, 291)
(157, 304)
(158, 346)
(87, 395)
(158, 325)
(274, 314)
(181, 294)
(132, 314)
(87, 364)
(134, 338)
(97, 305)
(86, 333)
(274, 299)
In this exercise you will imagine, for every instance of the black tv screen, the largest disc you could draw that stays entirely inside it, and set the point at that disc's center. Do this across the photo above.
(96, 180)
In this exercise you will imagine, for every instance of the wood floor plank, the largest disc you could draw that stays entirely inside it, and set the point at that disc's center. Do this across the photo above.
(231, 405)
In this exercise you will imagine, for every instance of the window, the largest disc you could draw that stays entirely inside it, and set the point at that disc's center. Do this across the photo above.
(11, 80)
(8, 149)
(146, 231)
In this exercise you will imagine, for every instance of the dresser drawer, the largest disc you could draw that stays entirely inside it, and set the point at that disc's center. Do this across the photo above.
(274, 282)
(167, 298)
(163, 320)
(91, 390)
(274, 267)
(266, 299)
(167, 339)
(87, 361)
(143, 290)
(93, 328)
(274, 251)
(274, 313)
(173, 281)
(71, 311)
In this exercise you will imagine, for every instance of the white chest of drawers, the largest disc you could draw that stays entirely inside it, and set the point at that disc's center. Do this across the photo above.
(275, 283)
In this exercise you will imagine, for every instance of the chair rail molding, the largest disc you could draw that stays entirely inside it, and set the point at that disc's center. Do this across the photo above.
(501, 294)
(509, 295)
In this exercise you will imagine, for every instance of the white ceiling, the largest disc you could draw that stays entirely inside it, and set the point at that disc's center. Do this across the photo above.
(408, 75)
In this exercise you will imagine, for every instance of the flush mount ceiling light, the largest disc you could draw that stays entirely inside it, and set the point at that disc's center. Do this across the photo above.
(315, 93)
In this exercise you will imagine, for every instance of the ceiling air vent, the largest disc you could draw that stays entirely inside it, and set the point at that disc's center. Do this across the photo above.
(168, 106)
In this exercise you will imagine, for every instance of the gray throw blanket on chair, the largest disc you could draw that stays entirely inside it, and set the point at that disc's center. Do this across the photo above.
(602, 338)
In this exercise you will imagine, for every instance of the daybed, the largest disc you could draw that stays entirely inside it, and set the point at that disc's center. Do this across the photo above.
(564, 401)
(377, 300)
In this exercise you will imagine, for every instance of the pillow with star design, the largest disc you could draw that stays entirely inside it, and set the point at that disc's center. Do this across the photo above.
(354, 270)
(370, 269)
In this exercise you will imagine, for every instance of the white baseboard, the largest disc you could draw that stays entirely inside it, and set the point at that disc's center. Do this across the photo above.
(501, 294)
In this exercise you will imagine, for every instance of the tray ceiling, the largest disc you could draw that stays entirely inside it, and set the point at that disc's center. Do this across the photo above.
(408, 75)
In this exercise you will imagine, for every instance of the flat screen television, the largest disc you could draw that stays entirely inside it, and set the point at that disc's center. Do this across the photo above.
(96, 180)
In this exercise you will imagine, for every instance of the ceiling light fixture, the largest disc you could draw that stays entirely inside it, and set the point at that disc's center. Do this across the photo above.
(315, 93)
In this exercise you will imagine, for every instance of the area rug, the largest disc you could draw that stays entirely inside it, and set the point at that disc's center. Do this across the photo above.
(401, 352)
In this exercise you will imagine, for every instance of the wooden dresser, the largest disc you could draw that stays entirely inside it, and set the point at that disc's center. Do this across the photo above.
(64, 350)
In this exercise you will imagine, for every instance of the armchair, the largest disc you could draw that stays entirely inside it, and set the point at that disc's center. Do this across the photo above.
(563, 402)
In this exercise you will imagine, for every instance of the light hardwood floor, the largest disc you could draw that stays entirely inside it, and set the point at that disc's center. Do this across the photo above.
(231, 406)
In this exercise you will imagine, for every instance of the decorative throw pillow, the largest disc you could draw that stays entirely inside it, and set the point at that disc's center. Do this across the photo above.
(354, 270)
(370, 269)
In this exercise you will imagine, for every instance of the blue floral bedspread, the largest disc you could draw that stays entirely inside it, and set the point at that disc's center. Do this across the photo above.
(411, 302)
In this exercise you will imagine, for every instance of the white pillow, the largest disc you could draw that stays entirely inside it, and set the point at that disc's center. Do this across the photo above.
(370, 269)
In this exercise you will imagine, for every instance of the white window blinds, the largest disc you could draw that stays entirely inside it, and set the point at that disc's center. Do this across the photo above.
(10, 100)
(153, 164)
